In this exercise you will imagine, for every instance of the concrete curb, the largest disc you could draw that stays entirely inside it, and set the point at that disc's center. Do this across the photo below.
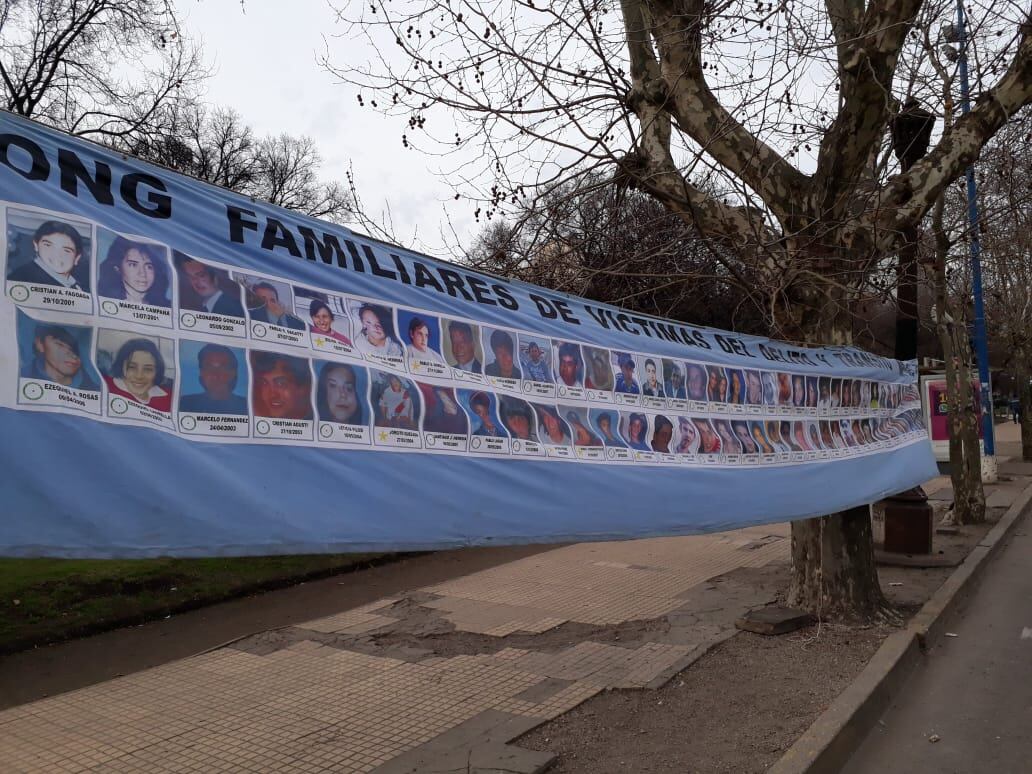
(826, 746)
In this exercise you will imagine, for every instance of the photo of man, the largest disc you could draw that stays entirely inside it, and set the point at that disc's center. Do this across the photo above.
(54, 353)
(662, 434)
(673, 380)
(688, 442)
(485, 419)
(281, 386)
(217, 369)
(203, 288)
(269, 304)
(534, 361)
(598, 374)
(571, 368)
(518, 418)
(424, 341)
(696, 382)
(651, 386)
(503, 353)
(625, 381)
(461, 347)
(47, 252)
(607, 433)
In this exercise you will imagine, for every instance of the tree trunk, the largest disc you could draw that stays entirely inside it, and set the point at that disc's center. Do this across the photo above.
(965, 469)
(965, 455)
(1024, 373)
(833, 570)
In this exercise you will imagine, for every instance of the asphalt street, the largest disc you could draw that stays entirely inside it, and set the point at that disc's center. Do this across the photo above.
(968, 708)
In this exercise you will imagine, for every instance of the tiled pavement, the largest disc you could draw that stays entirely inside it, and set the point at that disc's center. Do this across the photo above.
(310, 706)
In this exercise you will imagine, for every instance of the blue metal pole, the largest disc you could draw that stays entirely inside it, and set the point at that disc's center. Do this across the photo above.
(981, 345)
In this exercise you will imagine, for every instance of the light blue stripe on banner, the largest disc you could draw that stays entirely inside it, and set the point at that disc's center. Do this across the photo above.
(74, 488)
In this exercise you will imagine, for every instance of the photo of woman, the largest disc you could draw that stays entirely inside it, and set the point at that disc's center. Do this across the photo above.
(442, 413)
(637, 430)
(323, 321)
(339, 396)
(744, 437)
(762, 442)
(787, 437)
(799, 436)
(729, 442)
(716, 384)
(553, 429)
(824, 393)
(811, 391)
(709, 441)
(136, 272)
(753, 388)
(582, 435)
(773, 431)
(770, 388)
(784, 389)
(737, 381)
(798, 391)
(138, 374)
(376, 332)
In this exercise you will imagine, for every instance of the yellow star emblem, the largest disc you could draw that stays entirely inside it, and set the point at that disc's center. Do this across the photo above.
(383, 435)
(416, 365)
(320, 341)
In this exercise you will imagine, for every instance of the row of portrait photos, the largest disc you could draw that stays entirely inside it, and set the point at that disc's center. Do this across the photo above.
(203, 388)
(67, 265)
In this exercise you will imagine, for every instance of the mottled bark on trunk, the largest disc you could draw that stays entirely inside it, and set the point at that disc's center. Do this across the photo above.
(965, 454)
(833, 569)
(966, 467)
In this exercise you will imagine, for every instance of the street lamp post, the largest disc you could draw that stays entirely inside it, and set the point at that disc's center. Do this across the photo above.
(989, 472)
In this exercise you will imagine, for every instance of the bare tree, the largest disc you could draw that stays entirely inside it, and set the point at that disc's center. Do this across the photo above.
(620, 247)
(1006, 188)
(215, 145)
(788, 103)
(107, 69)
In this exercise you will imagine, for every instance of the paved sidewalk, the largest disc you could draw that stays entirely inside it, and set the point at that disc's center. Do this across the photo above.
(436, 679)
(352, 692)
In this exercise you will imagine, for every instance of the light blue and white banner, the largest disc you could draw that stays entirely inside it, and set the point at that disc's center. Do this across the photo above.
(188, 372)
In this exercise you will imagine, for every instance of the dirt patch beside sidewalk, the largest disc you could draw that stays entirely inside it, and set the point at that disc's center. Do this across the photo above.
(746, 701)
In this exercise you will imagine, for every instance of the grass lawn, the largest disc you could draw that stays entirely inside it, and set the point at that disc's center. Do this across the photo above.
(44, 600)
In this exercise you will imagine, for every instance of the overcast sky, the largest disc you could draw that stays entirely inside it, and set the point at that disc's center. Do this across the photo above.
(265, 61)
